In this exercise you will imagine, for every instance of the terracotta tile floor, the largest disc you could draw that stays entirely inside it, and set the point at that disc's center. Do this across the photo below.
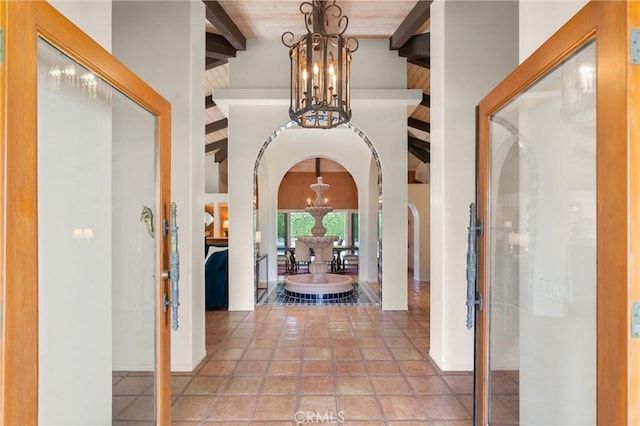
(316, 365)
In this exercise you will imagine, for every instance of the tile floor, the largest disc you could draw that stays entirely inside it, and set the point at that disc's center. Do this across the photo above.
(292, 365)
(362, 295)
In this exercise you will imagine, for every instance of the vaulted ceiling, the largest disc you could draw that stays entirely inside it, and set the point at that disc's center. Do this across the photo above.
(229, 23)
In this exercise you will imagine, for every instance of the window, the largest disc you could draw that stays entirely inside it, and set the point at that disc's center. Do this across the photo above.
(334, 222)
(298, 223)
(355, 226)
(282, 229)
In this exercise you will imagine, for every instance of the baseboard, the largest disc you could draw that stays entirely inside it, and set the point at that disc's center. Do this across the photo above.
(187, 368)
(450, 367)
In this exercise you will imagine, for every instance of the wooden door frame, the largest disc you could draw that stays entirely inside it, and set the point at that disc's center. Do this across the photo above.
(23, 22)
(617, 199)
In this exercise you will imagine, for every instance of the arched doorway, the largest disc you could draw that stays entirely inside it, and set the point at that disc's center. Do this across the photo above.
(362, 163)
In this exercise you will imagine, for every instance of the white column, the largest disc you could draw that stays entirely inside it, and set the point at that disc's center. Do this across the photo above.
(474, 45)
(166, 52)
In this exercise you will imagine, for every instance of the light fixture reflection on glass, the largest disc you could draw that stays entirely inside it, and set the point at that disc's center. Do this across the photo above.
(55, 72)
(69, 71)
(82, 234)
(587, 78)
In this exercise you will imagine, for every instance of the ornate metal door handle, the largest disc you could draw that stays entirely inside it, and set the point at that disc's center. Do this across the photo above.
(474, 299)
(174, 267)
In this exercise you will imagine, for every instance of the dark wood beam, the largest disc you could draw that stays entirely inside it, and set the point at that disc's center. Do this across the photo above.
(421, 149)
(214, 146)
(417, 47)
(421, 154)
(418, 143)
(212, 63)
(209, 102)
(426, 100)
(412, 23)
(217, 47)
(215, 126)
(418, 124)
(221, 155)
(216, 15)
(421, 62)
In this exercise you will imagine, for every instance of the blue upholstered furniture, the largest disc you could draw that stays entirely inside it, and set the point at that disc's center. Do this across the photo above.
(216, 279)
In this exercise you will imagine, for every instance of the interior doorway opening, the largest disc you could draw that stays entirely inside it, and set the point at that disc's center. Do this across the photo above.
(271, 168)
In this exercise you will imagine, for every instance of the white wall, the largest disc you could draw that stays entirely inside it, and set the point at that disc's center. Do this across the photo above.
(539, 19)
(379, 109)
(419, 197)
(474, 45)
(167, 52)
(211, 175)
(93, 17)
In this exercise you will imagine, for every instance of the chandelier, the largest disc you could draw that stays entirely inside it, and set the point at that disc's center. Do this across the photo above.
(320, 67)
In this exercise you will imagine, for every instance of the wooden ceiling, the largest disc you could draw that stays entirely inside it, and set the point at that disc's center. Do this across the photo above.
(404, 23)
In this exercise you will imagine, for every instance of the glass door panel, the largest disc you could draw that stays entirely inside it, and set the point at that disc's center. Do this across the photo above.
(542, 250)
(97, 254)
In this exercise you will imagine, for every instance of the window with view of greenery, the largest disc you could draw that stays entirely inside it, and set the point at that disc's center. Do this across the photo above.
(282, 229)
(302, 222)
(355, 226)
(334, 222)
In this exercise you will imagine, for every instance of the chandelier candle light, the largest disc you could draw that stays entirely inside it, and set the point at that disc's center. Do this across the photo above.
(320, 67)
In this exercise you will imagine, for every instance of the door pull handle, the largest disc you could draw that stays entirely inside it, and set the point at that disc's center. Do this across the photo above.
(173, 273)
(474, 299)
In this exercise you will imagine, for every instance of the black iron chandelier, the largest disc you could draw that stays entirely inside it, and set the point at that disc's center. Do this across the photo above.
(320, 67)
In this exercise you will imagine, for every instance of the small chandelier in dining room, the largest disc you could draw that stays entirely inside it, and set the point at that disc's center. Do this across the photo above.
(320, 67)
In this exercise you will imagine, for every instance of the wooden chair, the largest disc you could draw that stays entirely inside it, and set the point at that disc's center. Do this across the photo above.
(327, 257)
(350, 264)
(283, 264)
(303, 256)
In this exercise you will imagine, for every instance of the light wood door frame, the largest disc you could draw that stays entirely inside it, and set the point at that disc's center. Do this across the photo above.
(23, 22)
(617, 199)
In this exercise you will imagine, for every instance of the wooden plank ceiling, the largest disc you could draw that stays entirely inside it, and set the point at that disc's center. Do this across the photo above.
(229, 23)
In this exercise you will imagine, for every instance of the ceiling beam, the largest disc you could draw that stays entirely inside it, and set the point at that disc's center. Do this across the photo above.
(209, 102)
(421, 154)
(216, 15)
(421, 149)
(418, 124)
(212, 63)
(421, 62)
(418, 143)
(417, 47)
(217, 47)
(426, 100)
(215, 126)
(214, 146)
(412, 23)
(221, 155)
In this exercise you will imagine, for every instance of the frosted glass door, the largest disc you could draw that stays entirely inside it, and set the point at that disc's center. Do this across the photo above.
(542, 250)
(97, 253)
